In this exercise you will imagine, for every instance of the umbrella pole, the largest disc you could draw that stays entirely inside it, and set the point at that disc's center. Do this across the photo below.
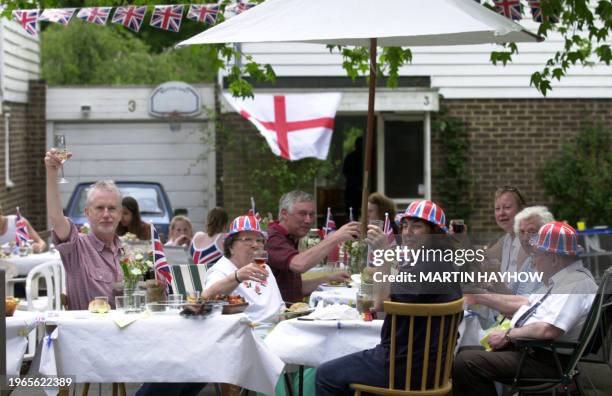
(367, 166)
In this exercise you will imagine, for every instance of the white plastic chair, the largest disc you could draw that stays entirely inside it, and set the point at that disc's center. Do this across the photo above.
(53, 274)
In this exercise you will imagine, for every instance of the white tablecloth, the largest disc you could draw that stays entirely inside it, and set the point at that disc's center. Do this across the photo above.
(26, 263)
(311, 343)
(334, 295)
(160, 348)
(17, 329)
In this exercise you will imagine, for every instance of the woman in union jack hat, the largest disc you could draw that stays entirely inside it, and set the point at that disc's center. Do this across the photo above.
(237, 273)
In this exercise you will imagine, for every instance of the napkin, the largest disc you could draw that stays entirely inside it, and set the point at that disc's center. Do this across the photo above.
(334, 312)
(123, 320)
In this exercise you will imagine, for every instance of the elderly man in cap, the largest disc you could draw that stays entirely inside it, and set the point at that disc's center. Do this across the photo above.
(556, 311)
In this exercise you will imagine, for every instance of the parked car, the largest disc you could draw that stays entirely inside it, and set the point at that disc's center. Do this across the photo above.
(152, 200)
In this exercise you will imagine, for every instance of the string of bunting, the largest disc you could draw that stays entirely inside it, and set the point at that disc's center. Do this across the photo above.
(166, 17)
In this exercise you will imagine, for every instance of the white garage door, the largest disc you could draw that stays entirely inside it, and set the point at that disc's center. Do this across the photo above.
(183, 161)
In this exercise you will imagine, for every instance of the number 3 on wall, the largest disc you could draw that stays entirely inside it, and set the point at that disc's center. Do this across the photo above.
(131, 106)
(426, 101)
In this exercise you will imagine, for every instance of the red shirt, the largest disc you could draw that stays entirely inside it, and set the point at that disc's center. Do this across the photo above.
(281, 248)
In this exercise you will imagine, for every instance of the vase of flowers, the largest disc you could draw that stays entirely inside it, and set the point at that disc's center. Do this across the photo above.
(135, 265)
(355, 254)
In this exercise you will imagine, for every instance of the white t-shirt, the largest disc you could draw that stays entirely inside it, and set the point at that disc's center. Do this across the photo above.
(567, 305)
(9, 235)
(265, 301)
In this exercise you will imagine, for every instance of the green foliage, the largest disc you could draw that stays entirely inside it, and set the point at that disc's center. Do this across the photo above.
(579, 178)
(453, 178)
(82, 53)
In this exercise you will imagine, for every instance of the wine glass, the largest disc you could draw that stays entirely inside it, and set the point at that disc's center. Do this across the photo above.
(59, 143)
(261, 258)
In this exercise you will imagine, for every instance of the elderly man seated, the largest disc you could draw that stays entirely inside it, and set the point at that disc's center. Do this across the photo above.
(556, 311)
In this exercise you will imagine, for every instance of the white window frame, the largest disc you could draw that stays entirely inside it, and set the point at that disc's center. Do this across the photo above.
(380, 158)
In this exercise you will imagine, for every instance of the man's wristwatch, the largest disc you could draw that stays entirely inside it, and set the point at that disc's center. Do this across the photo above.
(507, 337)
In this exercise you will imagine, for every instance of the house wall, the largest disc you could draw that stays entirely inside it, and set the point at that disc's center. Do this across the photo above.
(19, 61)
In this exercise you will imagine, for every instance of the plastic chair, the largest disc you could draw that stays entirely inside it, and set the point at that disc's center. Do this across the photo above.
(188, 278)
(451, 312)
(594, 338)
(55, 282)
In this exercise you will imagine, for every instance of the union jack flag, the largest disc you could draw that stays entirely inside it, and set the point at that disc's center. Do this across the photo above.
(388, 230)
(97, 15)
(242, 7)
(512, 9)
(162, 269)
(203, 13)
(28, 19)
(536, 12)
(21, 229)
(253, 211)
(330, 224)
(57, 15)
(131, 17)
(167, 17)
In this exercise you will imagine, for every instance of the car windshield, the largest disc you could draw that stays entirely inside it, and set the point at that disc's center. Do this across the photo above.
(148, 197)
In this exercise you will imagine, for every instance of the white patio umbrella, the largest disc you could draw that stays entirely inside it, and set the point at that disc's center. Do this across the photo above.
(385, 23)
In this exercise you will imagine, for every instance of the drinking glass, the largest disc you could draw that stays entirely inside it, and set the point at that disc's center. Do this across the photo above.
(175, 301)
(59, 143)
(261, 258)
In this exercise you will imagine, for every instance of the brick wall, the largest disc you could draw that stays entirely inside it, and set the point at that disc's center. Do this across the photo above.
(510, 140)
(27, 144)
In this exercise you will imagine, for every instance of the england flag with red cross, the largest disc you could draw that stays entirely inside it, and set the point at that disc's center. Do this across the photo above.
(295, 126)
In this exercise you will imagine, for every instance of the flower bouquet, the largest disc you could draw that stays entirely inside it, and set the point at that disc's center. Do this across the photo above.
(355, 253)
(135, 265)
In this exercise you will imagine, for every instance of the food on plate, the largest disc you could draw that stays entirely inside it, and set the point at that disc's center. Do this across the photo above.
(231, 299)
(10, 304)
(337, 283)
(299, 307)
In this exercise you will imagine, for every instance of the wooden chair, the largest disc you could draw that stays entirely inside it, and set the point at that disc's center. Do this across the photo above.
(451, 312)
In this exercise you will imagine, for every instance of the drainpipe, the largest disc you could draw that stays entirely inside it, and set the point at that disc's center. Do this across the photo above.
(7, 151)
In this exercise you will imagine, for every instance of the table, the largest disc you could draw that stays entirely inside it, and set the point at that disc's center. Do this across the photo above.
(311, 343)
(25, 264)
(334, 295)
(159, 348)
(18, 327)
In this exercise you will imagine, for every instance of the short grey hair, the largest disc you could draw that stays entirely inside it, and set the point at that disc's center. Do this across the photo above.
(291, 198)
(103, 185)
(541, 212)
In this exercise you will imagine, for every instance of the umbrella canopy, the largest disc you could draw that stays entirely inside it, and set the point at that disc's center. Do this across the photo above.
(373, 23)
(398, 23)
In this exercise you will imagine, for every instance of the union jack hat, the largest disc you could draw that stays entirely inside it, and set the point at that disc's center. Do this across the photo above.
(245, 223)
(428, 211)
(557, 237)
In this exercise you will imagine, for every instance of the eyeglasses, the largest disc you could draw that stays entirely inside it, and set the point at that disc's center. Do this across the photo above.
(259, 241)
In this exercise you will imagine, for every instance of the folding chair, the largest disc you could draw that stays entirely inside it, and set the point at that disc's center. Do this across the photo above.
(593, 339)
(188, 278)
(450, 313)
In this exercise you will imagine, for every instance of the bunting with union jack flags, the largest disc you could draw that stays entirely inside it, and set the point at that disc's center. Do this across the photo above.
(162, 269)
(131, 17)
(512, 9)
(204, 13)
(21, 229)
(97, 15)
(28, 19)
(330, 224)
(57, 15)
(536, 12)
(167, 17)
(241, 7)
